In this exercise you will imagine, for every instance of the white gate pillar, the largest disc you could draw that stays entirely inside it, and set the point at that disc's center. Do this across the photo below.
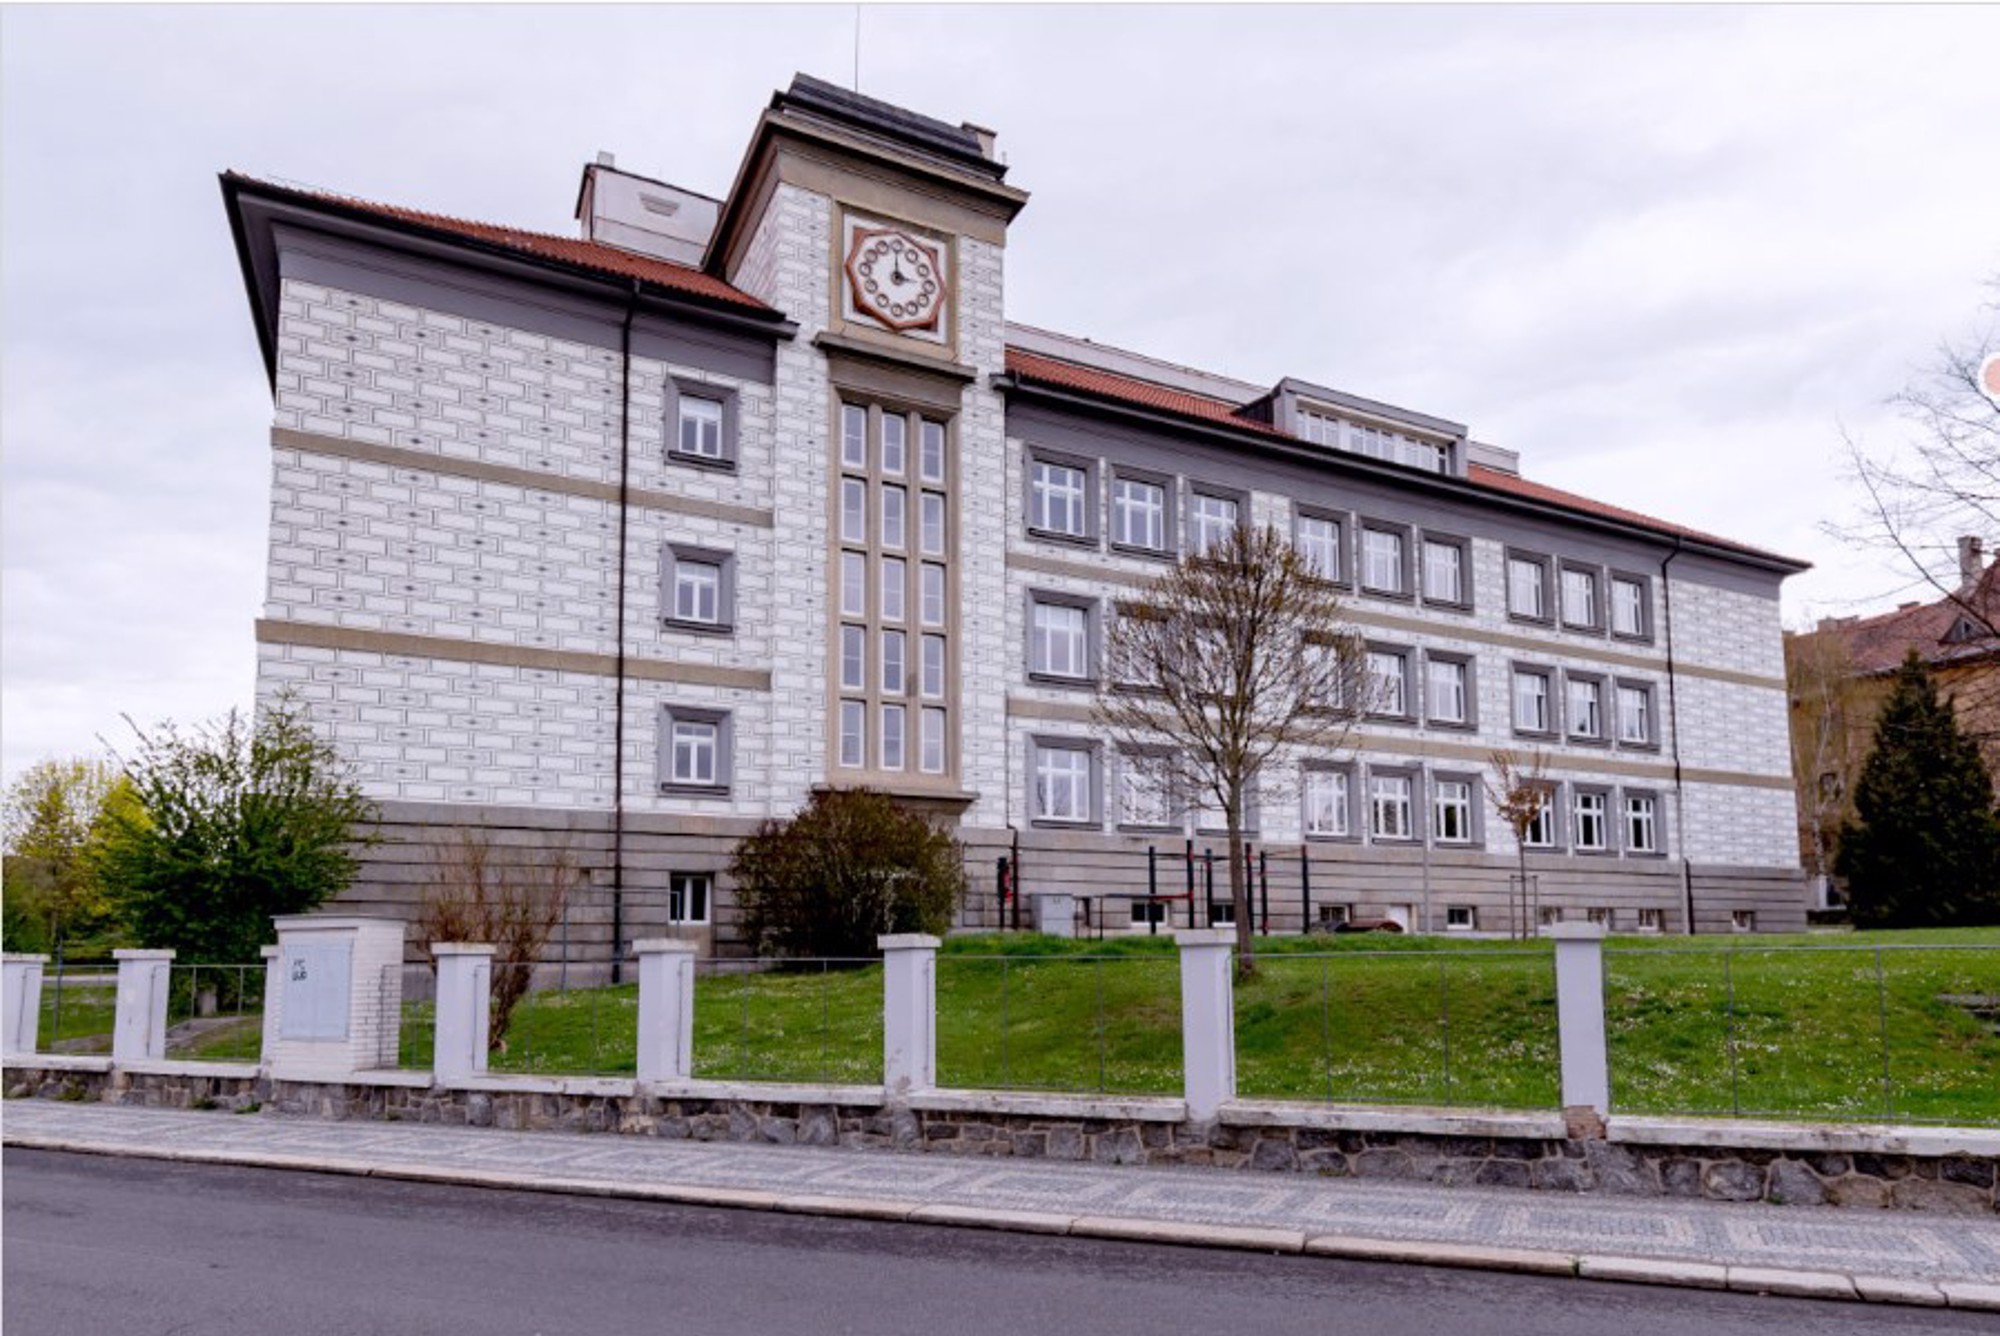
(139, 1029)
(666, 1008)
(1208, 1019)
(464, 1009)
(1586, 1068)
(21, 997)
(909, 1012)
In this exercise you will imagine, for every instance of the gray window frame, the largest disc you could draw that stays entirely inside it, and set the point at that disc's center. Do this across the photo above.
(1040, 742)
(1344, 540)
(1411, 711)
(1419, 802)
(1470, 724)
(1169, 512)
(693, 387)
(1558, 810)
(1363, 526)
(671, 557)
(1093, 638)
(1092, 507)
(1652, 742)
(1644, 635)
(725, 750)
(1352, 771)
(1218, 492)
(1176, 810)
(1598, 593)
(1465, 580)
(1546, 563)
(1626, 848)
(1554, 679)
(1605, 705)
(1612, 817)
(1477, 820)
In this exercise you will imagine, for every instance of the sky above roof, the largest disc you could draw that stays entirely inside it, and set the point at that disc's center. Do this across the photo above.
(1669, 254)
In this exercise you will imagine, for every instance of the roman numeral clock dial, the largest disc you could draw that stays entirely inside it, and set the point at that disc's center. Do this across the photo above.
(895, 279)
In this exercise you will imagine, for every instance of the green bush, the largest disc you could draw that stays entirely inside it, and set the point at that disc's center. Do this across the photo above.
(849, 867)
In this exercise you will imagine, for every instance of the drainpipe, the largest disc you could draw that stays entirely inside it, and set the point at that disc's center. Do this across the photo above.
(618, 705)
(1674, 724)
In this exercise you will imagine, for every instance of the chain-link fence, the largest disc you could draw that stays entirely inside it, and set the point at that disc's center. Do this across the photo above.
(1108, 1024)
(808, 1019)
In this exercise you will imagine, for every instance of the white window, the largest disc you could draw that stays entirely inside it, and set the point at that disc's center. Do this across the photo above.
(1318, 542)
(701, 427)
(697, 591)
(853, 584)
(893, 429)
(892, 737)
(933, 668)
(1146, 912)
(853, 436)
(1650, 920)
(687, 897)
(892, 588)
(1211, 519)
(1531, 702)
(1389, 807)
(1139, 514)
(1586, 708)
(1579, 593)
(1326, 803)
(933, 523)
(1386, 694)
(1056, 499)
(893, 667)
(1526, 588)
(1640, 826)
(1591, 820)
(1600, 915)
(893, 501)
(1060, 639)
(931, 590)
(854, 658)
(1635, 714)
(1628, 607)
(1542, 829)
(853, 734)
(1451, 811)
(853, 510)
(1459, 918)
(694, 754)
(1743, 920)
(1551, 914)
(1145, 791)
(1382, 561)
(930, 452)
(1447, 690)
(933, 741)
(1444, 572)
(1062, 784)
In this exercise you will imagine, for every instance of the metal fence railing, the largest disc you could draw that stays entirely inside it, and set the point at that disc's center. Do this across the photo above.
(79, 1006)
(215, 1013)
(816, 1019)
(1452, 1028)
(410, 990)
(1107, 1024)
(1878, 1033)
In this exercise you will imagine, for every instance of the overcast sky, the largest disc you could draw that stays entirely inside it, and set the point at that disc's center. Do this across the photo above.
(1666, 253)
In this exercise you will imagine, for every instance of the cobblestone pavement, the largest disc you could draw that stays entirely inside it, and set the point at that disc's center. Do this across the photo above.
(1940, 1250)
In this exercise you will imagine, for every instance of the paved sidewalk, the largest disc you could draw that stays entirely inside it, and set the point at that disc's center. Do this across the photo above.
(1884, 1256)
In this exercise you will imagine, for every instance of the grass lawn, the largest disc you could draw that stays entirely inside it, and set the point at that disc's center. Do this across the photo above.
(83, 1022)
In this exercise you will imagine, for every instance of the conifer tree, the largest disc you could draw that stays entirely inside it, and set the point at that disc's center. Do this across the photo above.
(1924, 847)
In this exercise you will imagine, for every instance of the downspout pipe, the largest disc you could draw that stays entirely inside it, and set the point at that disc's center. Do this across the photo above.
(618, 697)
(1674, 727)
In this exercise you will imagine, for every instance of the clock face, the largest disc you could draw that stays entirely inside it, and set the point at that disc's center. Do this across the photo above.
(895, 278)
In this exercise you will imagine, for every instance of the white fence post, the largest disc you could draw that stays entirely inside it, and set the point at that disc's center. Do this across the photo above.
(23, 1002)
(1586, 1068)
(909, 1012)
(464, 1009)
(1208, 1019)
(273, 994)
(139, 1031)
(666, 1008)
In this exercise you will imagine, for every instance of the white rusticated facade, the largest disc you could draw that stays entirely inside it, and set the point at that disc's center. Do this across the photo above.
(486, 443)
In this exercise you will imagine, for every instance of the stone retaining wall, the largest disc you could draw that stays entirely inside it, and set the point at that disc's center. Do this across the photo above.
(1947, 1182)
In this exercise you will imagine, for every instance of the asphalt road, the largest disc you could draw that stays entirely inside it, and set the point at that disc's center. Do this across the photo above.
(96, 1244)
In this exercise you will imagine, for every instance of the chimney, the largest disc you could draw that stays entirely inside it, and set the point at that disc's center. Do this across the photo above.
(1971, 562)
(987, 138)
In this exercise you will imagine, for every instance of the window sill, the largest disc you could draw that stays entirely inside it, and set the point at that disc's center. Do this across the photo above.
(1141, 551)
(697, 628)
(688, 923)
(1524, 619)
(1535, 734)
(1633, 637)
(1458, 846)
(722, 464)
(1314, 838)
(1388, 595)
(1654, 854)
(1587, 740)
(1064, 823)
(1582, 629)
(1401, 720)
(677, 790)
(1638, 746)
(1130, 828)
(1453, 725)
(1087, 540)
(1057, 680)
(1444, 605)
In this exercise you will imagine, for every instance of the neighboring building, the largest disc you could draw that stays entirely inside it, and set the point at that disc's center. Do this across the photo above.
(1840, 673)
(633, 540)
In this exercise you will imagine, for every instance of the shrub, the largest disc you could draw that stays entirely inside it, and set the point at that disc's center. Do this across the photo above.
(849, 867)
(511, 903)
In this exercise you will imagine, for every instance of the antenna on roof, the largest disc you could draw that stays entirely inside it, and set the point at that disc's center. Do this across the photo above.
(857, 48)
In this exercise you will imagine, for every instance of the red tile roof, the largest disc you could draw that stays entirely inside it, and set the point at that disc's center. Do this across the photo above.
(572, 251)
(1129, 389)
(1878, 644)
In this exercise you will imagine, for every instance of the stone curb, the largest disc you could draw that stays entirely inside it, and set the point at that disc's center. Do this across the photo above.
(1638, 1270)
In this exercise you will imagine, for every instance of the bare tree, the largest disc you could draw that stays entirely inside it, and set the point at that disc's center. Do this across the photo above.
(511, 904)
(1224, 662)
(1521, 794)
(1832, 714)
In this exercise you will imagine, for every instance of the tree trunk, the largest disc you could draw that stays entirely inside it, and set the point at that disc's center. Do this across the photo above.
(1521, 852)
(1239, 894)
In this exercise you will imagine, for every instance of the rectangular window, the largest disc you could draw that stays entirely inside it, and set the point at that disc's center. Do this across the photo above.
(687, 897)
(853, 734)
(893, 500)
(1211, 519)
(1541, 832)
(930, 452)
(1447, 690)
(853, 510)
(1650, 920)
(933, 668)
(696, 744)
(1382, 561)
(1590, 822)
(931, 591)
(1059, 641)
(700, 427)
(1743, 920)
(1531, 701)
(853, 436)
(1600, 915)
(1386, 687)
(1056, 499)
(1139, 514)
(1586, 708)
(1628, 607)
(1389, 807)
(1145, 912)
(933, 523)
(892, 589)
(1635, 715)
(1551, 914)
(1318, 541)
(1640, 826)
(1459, 918)
(1527, 588)
(893, 429)
(1579, 598)
(932, 758)
(1451, 811)
(697, 591)
(892, 737)
(853, 584)
(1145, 796)
(853, 658)
(1444, 572)
(893, 667)
(1062, 784)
